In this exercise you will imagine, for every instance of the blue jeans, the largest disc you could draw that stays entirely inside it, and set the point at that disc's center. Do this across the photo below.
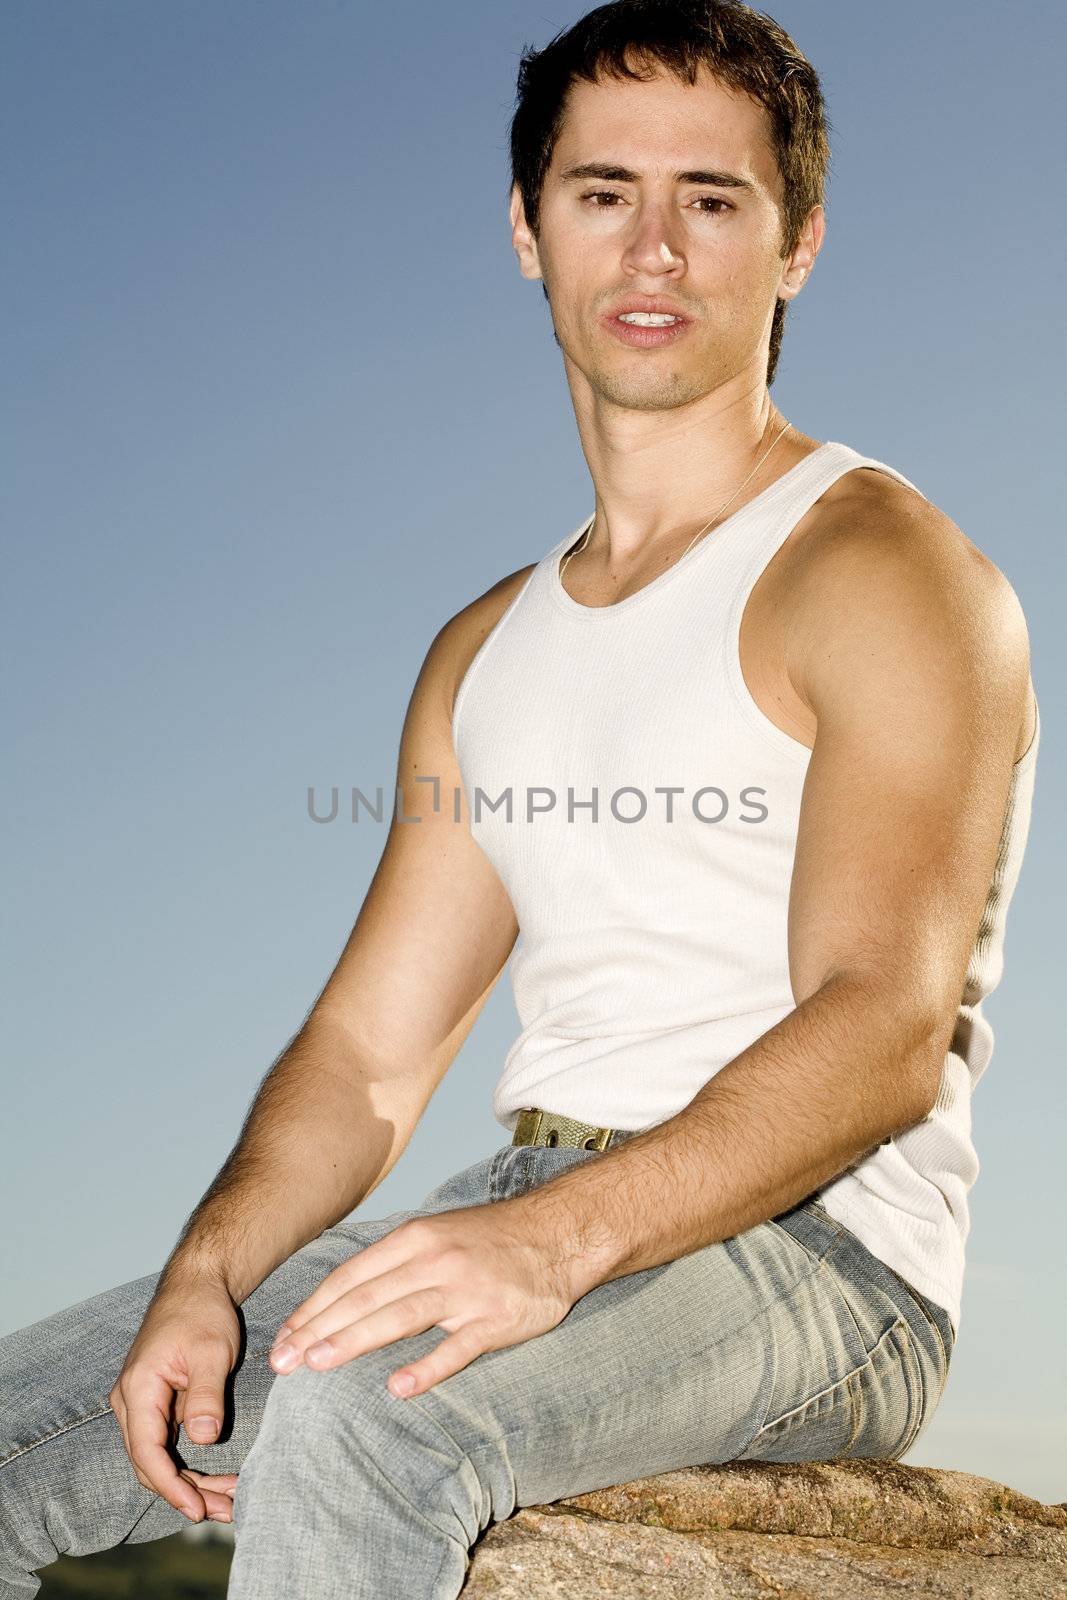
(788, 1342)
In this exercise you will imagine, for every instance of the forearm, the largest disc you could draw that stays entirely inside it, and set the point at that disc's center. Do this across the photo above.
(820, 1089)
(322, 1132)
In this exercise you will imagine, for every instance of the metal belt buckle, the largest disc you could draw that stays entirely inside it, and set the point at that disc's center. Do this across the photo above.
(539, 1127)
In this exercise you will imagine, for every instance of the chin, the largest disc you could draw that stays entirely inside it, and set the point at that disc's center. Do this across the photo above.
(660, 391)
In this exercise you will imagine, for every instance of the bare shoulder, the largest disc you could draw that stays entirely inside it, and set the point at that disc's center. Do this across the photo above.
(460, 638)
(885, 563)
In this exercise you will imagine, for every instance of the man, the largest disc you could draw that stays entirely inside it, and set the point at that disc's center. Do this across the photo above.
(732, 1220)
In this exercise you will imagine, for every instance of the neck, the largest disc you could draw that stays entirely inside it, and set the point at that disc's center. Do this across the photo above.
(657, 491)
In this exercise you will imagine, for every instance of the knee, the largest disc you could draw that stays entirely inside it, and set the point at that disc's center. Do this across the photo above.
(58, 1371)
(66, 1483)
(340, 1438)
(70, 1491)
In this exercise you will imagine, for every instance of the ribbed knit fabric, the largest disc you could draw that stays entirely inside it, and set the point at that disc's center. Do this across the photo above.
(642, 813)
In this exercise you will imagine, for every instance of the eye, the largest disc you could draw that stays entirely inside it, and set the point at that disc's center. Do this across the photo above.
(708, 200)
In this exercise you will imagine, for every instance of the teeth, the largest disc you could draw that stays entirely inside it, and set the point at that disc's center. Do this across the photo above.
(647, 319)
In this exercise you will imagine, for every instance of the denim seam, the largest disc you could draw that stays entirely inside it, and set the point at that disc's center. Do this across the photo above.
(843, 1232)
(914, 1297)
(528, 1170)
(842, 1291)
(848, 1378)
(68, 1427)
(855, 1420)
(94, 1416)
(916, 1390)
(802, 1244)
(825, 1266)
(520, 1177)
(825, 1218)
(815, 1212)
(945, 1364)
(495, 1169)
(845, 1381)
(920, 1301)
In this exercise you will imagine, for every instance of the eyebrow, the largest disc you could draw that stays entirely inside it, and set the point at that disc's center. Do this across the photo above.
(614, 174)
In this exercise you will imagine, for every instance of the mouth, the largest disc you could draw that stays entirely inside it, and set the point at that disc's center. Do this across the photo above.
(647, 334)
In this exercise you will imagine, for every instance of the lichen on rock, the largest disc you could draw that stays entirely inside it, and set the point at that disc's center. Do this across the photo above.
(846, 1530)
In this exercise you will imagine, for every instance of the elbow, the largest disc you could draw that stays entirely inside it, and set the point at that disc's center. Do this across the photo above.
(913, 1035)
(929, 1089)
(916, 1041)
(928, 1068)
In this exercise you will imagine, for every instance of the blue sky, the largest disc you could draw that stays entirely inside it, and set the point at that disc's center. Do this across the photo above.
(277, 403)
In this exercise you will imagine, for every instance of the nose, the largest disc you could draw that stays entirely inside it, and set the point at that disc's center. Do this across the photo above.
(649, 248)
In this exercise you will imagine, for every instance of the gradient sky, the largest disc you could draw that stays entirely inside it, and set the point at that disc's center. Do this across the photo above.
(277, 403)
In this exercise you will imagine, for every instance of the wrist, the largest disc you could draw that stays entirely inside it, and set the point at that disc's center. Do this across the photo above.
(189, 1272)
(574, 1242)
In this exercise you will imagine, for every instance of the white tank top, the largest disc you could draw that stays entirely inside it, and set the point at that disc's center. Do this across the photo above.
(642, 811)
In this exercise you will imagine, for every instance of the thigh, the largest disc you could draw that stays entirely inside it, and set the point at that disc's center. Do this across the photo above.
(787, 1342)
(698, 1360)
(898, 1345)
(680, 1364)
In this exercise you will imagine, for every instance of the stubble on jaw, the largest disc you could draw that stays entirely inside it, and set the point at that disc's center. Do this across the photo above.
(670, 389)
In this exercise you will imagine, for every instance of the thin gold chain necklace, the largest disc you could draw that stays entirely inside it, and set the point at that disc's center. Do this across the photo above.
(706, 526)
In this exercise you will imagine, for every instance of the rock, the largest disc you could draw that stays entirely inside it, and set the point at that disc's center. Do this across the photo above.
(855, 1530)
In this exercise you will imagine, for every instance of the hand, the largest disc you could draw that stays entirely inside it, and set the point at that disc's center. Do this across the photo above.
(176, 1372)
(485, 1274)
(217, 1491)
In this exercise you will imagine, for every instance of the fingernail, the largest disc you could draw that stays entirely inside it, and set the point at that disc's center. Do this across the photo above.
(282, 1333)
(202, 1428)
(403, 1384)
(283, 1356)
(319, 1352)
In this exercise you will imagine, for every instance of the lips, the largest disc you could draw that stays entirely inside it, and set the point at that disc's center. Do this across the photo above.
(650, 303)
(642, 338)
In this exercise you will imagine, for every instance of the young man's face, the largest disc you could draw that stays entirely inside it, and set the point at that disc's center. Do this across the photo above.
(708, 248)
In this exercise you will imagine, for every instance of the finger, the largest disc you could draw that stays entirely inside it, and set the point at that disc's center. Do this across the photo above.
(372, 1261)
(148, 1421)
(451, 1355)
(218, 1506)
(121, 1414)
(204, 1403)
(118, 1407)
(357, 1310)
(217, 1503)
(221, 1482)
(414, 1313)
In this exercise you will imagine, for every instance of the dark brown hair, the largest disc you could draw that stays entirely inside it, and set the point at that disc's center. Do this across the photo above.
(746, 49)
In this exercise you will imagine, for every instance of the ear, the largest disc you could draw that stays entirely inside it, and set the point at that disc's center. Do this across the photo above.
(523, 242)
(797, 269)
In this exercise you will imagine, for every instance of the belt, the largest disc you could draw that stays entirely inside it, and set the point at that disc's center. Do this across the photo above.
(537, 1126)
